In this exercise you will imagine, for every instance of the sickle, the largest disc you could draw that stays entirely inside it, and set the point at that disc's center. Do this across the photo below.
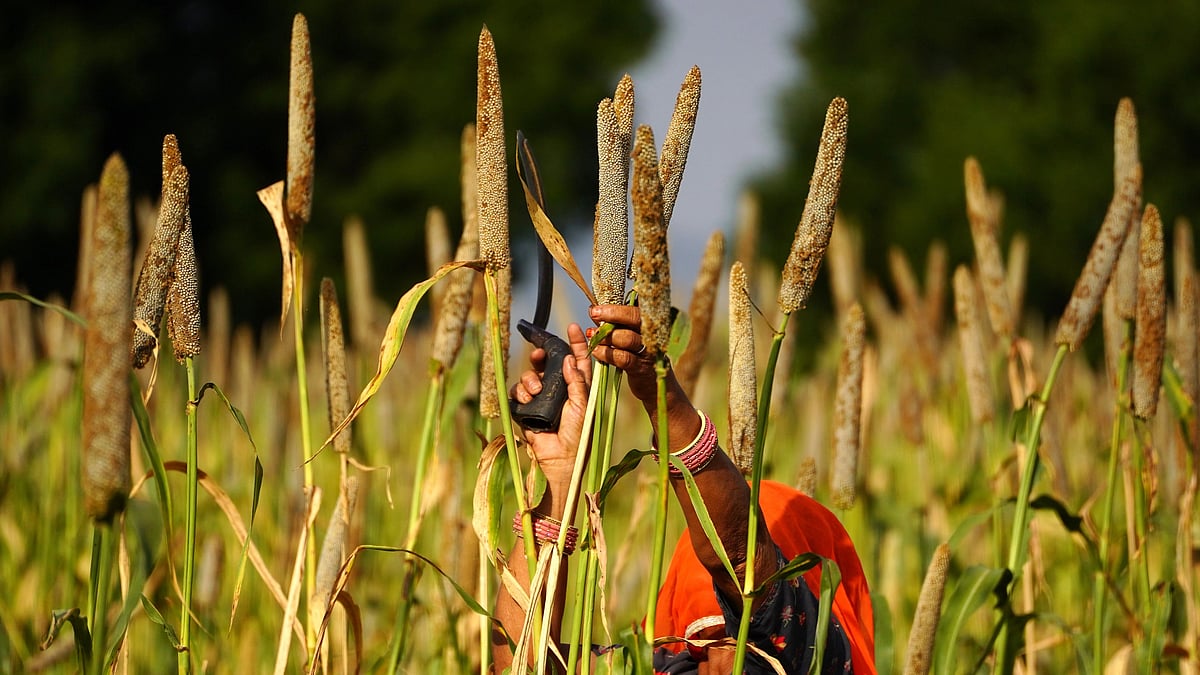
(541, 413)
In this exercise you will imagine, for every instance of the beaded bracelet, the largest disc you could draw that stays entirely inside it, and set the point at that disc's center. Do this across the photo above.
(545, 531)
(697, 454)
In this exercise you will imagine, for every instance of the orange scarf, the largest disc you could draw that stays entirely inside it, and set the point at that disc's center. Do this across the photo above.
(798, 524)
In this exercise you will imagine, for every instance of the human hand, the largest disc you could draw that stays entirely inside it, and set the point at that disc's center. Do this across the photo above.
(624, 349)
(555, 451)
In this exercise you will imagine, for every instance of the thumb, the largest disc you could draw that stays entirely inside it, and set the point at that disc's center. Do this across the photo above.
(570, 425)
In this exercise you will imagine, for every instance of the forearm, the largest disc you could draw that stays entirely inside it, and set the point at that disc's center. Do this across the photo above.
(726, 496)
(508, 611)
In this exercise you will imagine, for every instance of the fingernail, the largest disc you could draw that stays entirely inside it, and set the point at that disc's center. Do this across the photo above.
(593, 311)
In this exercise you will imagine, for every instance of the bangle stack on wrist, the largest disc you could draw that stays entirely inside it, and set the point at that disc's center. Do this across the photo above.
(697, 454)
(546, 529)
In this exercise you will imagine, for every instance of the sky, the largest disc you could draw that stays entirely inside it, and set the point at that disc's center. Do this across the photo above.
(745, 57)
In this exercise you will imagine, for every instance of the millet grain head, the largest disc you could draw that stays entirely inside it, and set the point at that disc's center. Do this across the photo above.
(491, 160)
(107, 343)
(651, 261)
(700, 311)
(610, 239)
(984, 220)
(675, 148)
(847, 413)
(816, 222)
(159, 265)
(1150, 333)
(743, 379)
(301, 150)
(1085, 300)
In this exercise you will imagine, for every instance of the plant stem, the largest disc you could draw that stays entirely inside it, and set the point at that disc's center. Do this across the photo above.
(660, 522)
(189, 542)
(1019, 543)
(433, 414)
(1099, 594)
(764, 410)
(310, 551)
(1141, 521)
(578, 658)
(510, 442)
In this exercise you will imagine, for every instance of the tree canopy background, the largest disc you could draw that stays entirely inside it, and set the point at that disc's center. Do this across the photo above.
(1030, 87)
(394, 83)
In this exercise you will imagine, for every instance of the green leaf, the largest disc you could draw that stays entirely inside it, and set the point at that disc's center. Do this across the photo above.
(14, 295)
(971, 522)
(681, 333)
(885, 640)
(602, 331)
(258, 481)
(83, 637)
(627, 464)
(393, 339)
(154, 615)
(790, 570)
(1181, 404)
(154, 458)
(706, 522)
(831, 576)
(138, 530)
(972, 591)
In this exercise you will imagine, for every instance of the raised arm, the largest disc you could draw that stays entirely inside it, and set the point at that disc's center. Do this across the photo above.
(726, 493)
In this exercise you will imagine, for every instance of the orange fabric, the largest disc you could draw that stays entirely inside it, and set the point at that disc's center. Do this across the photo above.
(798, 524)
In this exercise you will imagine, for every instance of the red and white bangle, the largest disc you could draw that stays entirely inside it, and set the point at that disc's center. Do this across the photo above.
(697, 454)
(546, 529)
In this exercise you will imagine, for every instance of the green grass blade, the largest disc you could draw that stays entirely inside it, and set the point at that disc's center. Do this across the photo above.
(258, 481)
(154, 615)
(831, 576)
(14, 295)
(83, 637)
(393, 339)
(885, 640)
(977, 584)
(706, 522)
(154, 458)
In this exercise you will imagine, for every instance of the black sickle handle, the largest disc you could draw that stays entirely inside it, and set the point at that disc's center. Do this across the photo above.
(542, 413)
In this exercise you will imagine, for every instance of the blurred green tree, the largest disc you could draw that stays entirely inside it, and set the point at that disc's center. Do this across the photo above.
(394, 81)
(1030, 87)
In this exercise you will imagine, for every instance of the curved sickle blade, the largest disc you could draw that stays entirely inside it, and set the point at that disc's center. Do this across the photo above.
(527, 171)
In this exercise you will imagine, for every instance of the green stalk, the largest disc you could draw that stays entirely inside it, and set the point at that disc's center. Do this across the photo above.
(510, 442)
(578, 659)
(310, 552)
(1141, 520)
(189, 542)
(485, 623)
(433, 414)
(568, 516)
(1099, 594)
(103, 547)
(764, 410)
(1019, 543)
(660, 521)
